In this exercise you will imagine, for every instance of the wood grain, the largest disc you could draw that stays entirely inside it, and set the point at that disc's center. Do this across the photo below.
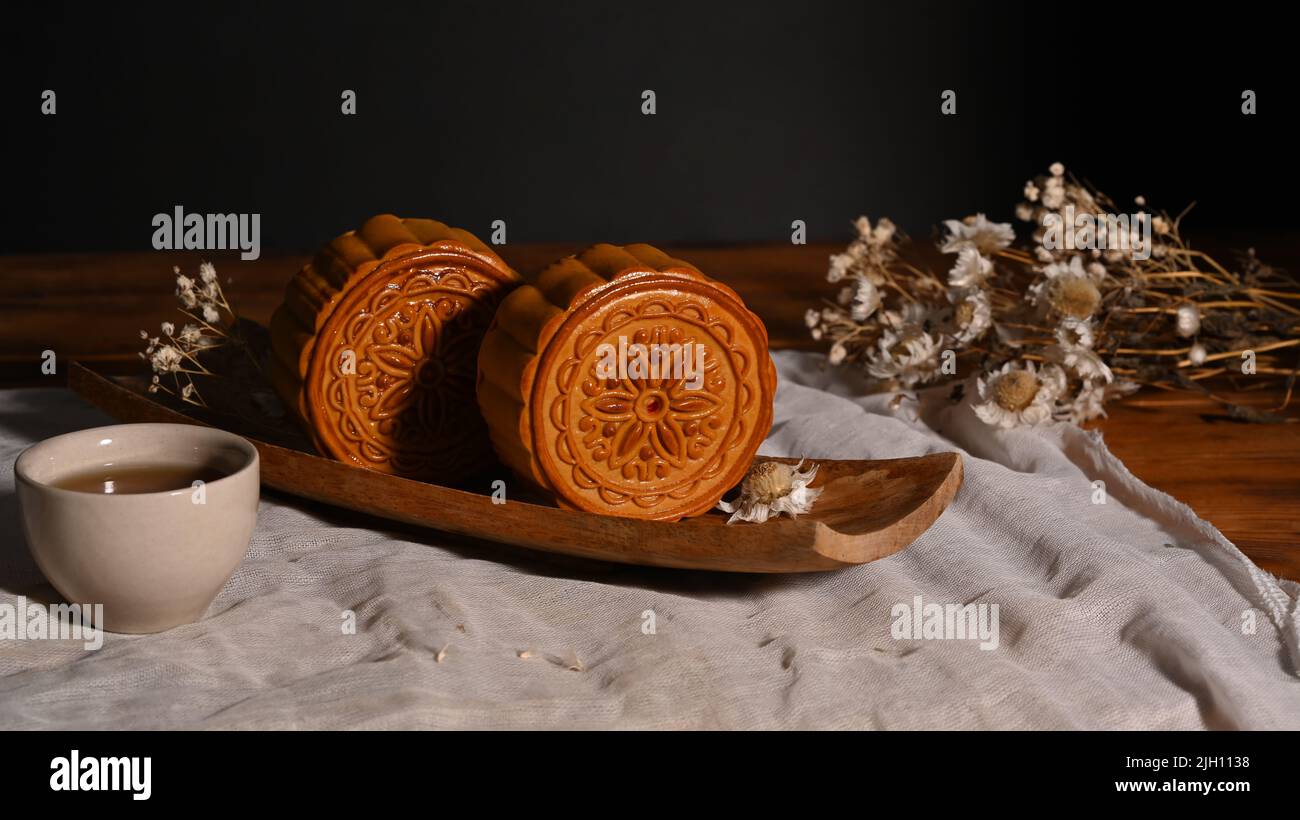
(92, 307)
(1245, 479)
(867, 510)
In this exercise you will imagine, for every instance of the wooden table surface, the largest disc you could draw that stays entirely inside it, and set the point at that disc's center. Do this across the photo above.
(1243, 478)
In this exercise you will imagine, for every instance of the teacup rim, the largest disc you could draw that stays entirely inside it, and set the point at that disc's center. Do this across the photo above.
(21, 463)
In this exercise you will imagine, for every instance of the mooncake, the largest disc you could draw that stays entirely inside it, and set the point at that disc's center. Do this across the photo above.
(376, 344)
(574, 402)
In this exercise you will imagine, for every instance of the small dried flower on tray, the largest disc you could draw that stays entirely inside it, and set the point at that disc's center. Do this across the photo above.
(771, 488)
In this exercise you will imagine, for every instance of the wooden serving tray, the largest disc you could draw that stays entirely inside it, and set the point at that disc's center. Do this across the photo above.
(867, 510)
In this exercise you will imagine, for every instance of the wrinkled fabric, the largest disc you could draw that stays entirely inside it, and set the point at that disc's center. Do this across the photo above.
(1132, 614)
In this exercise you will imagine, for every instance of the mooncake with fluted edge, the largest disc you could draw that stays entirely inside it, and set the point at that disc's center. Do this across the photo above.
(567, 410)
(375, 347)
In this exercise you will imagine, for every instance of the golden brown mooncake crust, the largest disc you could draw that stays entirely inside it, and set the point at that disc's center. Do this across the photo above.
(655, 448)
(375, 347)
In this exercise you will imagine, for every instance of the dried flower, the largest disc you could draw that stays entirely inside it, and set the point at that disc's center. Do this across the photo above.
(841, 264)
(772, 488)
(977, 232)
(866, 298)
(910, 357)
(1054, 194)
(166, 359)
(1019, 395)
(971, 269)
(868, 256)
(1188, 320)
(972, 315)
(1067, 290)
(1075, 333)
(191, 335)
(1091, 399)
(878, 236)
(1083, 363)
(185, 291)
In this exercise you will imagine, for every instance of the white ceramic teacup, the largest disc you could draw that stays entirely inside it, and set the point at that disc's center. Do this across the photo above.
(154, 560)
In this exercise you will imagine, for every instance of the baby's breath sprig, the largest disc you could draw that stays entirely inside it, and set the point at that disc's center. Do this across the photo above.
(173, 355)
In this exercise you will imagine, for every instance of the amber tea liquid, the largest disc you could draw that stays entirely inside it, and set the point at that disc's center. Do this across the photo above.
(131, 479)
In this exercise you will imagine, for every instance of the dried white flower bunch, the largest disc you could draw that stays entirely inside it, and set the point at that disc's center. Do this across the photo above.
(1055, 330)
(174, 355)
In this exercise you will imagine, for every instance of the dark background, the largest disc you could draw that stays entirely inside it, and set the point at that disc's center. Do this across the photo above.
(530, 112)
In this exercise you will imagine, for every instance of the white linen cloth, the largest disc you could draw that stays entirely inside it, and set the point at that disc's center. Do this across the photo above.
(1127, 614)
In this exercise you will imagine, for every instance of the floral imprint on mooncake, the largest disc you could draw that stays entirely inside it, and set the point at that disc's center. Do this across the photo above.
(660, 444)
(647, 426)
(394, 364)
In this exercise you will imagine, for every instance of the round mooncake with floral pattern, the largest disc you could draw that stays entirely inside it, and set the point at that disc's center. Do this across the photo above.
(628, 383)
(376, 346)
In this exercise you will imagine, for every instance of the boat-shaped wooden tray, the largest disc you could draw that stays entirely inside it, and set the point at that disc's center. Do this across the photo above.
(867, 510)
